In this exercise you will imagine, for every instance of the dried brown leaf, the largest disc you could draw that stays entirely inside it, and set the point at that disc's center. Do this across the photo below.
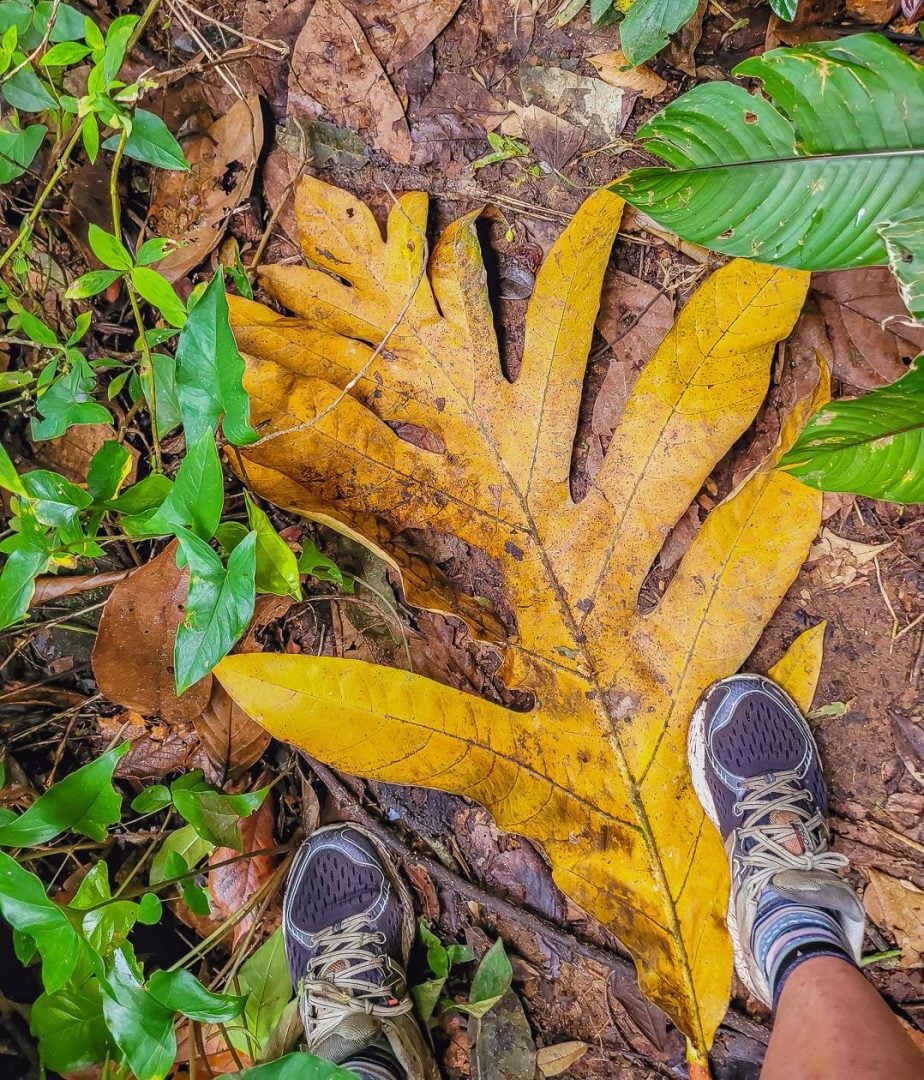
(813, 22)
(193, 207)
(52, 587)
(555, 1059)
(71, 454)
(232, 741)
(398, 30)
(873, 12)
(614, 68)
(334, 65)
(899, 907)
(156, 749)
(595, 106)
(685, 42)
(133, 655)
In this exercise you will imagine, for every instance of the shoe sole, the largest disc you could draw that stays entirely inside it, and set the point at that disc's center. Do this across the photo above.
(696, 755)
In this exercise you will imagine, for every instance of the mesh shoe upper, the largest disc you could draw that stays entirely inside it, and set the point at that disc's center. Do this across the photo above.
(757, 772)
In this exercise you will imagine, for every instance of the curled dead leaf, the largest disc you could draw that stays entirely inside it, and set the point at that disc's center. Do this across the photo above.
(898, 906)
(615, 69)
(555, 1059)
(133, 654)
(193, 207)
(232, 741)
(53, 587)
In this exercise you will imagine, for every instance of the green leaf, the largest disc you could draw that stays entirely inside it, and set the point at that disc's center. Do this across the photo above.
(160, 294)
(70, 1027)
(25, 907)
(240, 278)
(140, 1026)
(297, 1066)
(184, 842)
(152, 799)
(18, 149)
(649, 24)
(182, 992)
(437, 953)
(493, 976)
(93, 34)
(195, 500)
(69, 401)
(117, 38)
(109, 469)
(108, 928)
(69, 24)
(150, 909)
(211, 813)
(64, 54)
(210, 370)
(218, 609)
(147, 494)
(904, 240)
(805, 181)
(35, 329)
(277, 567)
(426, 996)
(264, 978)
(17, 583)
(94, 889)
(26, 91)
(150, 141)
(84, 802)
(785, 9)
(319, 566)
(9, 478)
(152, 251)
(872, 445)
(57, 501)
(91, 284)
(167, 399)
(109, 249)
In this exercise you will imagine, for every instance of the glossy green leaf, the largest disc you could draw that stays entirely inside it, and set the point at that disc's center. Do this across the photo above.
(9, 477)
(64, 54)
(277, 567)
(108, 471)
(26, 91)
(108, 928)
(194, 502)
(18, 149)
(786, 9)
(34, 328)
(319, 566)
(160, 294)
(147, 494)
(84, 802)
(493, 976)
(648, 25)
(69, 401)
(90, 284)
(166, 397)
(140, 1026)
(17, 583)
(219, 607)
(153, 798)
(109, 249)
(56, 501)
(153, 250)
(117, 37)
(70, 1027)
(150, 909)
(872, 445)
(210, 370)
(297, 1066)
(904, 240)
(805, 181)
(264, 978)
(25, 906)
(186, 843)
(150, 141)
(427, 996)
(94, 888)
(182, 992)
(213, 814)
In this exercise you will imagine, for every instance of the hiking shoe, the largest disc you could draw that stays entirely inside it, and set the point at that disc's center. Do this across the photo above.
(348, 926)
(757, 772)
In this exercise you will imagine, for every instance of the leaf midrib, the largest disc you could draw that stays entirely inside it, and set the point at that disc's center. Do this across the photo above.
(801, 159)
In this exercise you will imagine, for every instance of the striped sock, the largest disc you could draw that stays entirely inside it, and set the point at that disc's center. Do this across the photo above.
(785, 934)
(375, 1062)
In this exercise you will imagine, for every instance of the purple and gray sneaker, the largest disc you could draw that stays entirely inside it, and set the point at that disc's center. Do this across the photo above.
(757, 772)
(348, 926)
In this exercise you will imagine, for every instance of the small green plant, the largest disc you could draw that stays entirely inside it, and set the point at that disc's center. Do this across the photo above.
(490, 982)
(503, 148)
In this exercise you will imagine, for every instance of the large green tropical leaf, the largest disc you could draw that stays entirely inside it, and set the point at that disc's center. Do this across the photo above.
(649, 24)
(873, 445)
(804, 181)
(904, 241)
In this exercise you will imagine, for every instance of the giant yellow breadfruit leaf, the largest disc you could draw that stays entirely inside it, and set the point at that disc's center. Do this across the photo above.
(596, 771)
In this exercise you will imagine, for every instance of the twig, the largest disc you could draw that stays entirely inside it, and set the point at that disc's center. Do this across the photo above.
(888, 603)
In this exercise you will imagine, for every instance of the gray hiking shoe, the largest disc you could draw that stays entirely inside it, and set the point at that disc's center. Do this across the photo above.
(757, 772)
(348, 926)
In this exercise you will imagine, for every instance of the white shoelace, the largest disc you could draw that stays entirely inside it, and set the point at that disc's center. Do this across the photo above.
(334, 985)
(768, 853)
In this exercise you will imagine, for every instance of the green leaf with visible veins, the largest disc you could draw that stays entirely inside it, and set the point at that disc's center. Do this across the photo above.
(182, 992)
(904, 240)
(84, 802)
(70, 1027)
(872, 445)
(69, 401)
(141, 1027)
(213, 814)
(277, 567)
(265, 978)
(18, 148)
(648, 25)
(150, 141)
(785, 9)
(210, 370)
(219, 606)
(26, 907)
(804, 181)
(17, 583)
(194, 502)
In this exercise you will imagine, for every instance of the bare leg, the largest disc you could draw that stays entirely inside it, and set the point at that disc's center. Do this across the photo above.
(831, 1024)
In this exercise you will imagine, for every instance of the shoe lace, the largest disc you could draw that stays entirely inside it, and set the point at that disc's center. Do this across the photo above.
(336, 982)
(767, 854)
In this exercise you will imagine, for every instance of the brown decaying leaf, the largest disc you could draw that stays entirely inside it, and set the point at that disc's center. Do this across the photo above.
(600, 109)
(596, 771)
(133, 654)
(156, 749)
(503, 1044)
(680, 52)
(555, 1059)
(53, 587)
(615, 69)
(232, 885)
(71, 454)
(813, 22)
(554, 139)
(334, 64)
(867, 325)
(873, 12)
(232, 741)
(398, 30)
(897, 906)
(193, 207)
